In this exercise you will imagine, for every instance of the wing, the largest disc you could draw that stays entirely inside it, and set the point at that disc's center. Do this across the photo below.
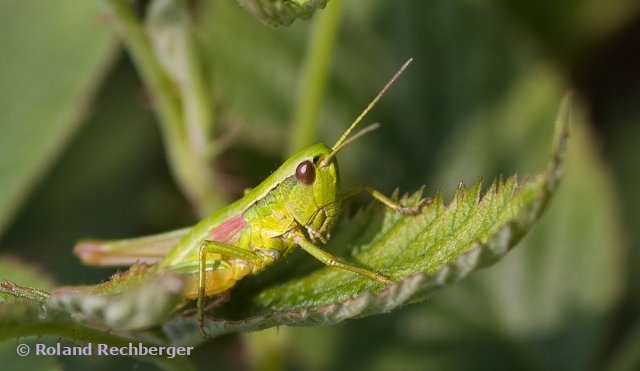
(147, 249)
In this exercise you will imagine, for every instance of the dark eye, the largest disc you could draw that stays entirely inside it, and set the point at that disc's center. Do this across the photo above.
(305, 172)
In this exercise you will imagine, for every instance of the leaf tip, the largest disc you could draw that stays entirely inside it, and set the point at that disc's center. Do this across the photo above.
(561, 137)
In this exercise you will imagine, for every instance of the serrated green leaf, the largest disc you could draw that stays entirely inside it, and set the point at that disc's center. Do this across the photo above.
(545, 306)
(139, 302)
(282, 12)
(441, 245)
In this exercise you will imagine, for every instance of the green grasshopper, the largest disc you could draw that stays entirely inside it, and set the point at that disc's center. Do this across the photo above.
(296, 205)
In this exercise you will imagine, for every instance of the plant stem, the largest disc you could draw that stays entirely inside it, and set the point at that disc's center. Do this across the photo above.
(169, 27)
(314, 75)
(188, 160)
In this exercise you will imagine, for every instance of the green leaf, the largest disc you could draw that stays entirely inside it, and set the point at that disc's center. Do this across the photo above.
(441, 245)
(29, 315)
(27, 293)
(546, 306)
(22, 301)
(41, 98)
(15, 310)
(136, 303)
(282, 12)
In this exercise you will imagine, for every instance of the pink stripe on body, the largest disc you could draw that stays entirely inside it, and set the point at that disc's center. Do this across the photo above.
(227, 230)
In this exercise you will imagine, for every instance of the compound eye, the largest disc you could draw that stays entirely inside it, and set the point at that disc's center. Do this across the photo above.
(305, 173)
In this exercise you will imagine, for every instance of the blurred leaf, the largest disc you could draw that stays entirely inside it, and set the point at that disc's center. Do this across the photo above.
(111, 181)
(621, 118)
(11, 361)
(46, 86)
(624, 122)
(20, 310)
(627, 356)
(282, 12)
(571, 30)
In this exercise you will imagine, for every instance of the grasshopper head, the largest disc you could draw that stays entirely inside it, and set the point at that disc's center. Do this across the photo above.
(312, 192)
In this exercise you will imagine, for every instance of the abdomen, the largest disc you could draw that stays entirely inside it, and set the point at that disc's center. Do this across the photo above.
(217, 280)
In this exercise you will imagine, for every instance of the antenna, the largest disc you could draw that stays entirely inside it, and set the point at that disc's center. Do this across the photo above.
(365, 130)
(343, 139)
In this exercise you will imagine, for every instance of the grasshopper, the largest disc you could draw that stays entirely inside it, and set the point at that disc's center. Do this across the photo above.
(296, 205)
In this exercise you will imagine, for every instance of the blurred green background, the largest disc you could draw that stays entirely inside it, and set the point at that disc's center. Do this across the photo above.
(81, 156)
